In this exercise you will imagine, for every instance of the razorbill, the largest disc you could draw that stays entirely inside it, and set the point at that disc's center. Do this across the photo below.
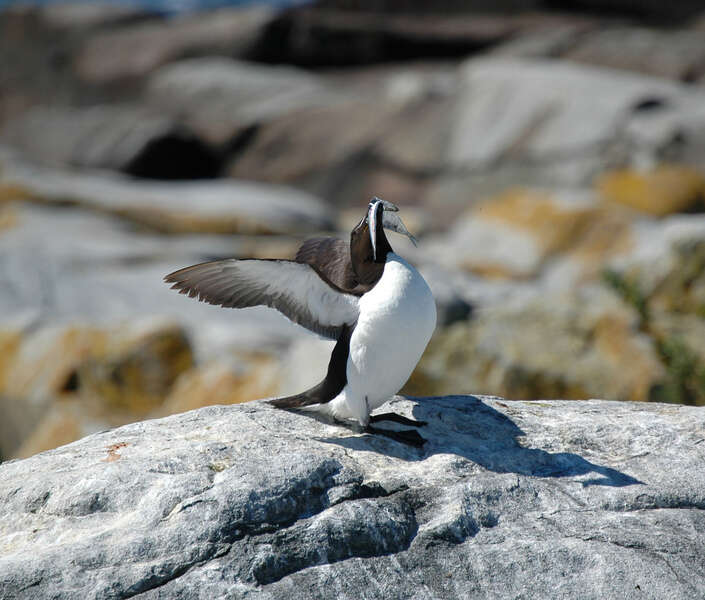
(373, 302)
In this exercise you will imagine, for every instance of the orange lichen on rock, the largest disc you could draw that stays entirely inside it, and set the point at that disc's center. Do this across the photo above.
(9, 344)
(554, 223)
(660, 191)
(250, 377)
(8, 217)
(631, 353)
(114, 451)
(137, 371)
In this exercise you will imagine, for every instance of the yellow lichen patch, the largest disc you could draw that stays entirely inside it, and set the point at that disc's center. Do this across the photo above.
(9, 344)
(8, 218)
(253, 376)
(175, 221)
(553, 223)
(608, 234)
(638, 368)
(492, 270)
(10, 192)
(661, 191)
(137, 371)
(270, 247)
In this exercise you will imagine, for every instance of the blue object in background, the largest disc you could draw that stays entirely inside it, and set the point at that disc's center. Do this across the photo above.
(171, 6)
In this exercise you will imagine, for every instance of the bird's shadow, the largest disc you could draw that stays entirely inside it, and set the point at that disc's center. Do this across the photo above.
(468, 427)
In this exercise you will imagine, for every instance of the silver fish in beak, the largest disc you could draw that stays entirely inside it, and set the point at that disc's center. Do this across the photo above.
(392, 221)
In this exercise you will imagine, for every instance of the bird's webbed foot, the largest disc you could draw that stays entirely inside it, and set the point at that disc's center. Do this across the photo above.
(408, 437)
(394, 417)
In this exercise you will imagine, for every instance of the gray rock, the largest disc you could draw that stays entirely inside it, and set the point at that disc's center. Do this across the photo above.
(133, 52)
(596, 349)
(533, 109)
(84, 17)
(218, 96)
(62, 266)
(507, 499)
(678, 54)
(218, 206)
(547, 110)
(550, 123)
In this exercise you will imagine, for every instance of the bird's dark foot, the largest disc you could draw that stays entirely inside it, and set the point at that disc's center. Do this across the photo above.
(408, 437)
(396, 419)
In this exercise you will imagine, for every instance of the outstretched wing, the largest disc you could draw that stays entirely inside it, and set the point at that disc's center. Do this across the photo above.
(330, 257)
(295, 289)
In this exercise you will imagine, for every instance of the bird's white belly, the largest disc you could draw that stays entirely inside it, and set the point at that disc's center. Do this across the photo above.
(397, 319)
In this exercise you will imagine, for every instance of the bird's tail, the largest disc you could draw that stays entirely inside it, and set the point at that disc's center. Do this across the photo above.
(331, 386)
(296, 401)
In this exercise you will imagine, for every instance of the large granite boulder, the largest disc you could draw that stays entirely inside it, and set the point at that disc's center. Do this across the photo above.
(676, 54)
(586, 499)
(219, 97)
(534, 109)
(552, 123)
(209, 206)
(576, 344)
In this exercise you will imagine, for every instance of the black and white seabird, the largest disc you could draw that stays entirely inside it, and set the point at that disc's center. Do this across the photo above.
(374, 303)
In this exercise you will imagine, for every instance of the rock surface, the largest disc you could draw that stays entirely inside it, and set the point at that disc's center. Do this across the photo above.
(133, 52)
(219, 96)
(219, 206)
(507, 499)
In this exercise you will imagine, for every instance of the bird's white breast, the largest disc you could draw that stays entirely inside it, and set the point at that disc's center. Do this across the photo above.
(397, 318)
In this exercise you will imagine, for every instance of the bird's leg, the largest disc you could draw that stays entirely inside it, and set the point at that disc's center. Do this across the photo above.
(408, 437)
(396, 419)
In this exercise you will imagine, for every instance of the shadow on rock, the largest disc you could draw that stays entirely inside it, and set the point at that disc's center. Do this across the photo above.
(467, 427)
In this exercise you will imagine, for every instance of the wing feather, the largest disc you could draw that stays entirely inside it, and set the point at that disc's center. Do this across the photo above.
(295, 289)
(330, 257)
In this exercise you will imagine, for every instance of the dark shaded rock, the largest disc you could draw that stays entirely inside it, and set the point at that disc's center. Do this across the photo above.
(125, 138)
(646, 10)
(194, 506)
(325, 35)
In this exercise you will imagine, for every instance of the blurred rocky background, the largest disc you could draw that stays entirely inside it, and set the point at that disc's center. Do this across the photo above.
(549, 155)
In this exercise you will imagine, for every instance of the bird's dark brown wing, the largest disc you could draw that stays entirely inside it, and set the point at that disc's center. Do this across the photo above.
(330, 257)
